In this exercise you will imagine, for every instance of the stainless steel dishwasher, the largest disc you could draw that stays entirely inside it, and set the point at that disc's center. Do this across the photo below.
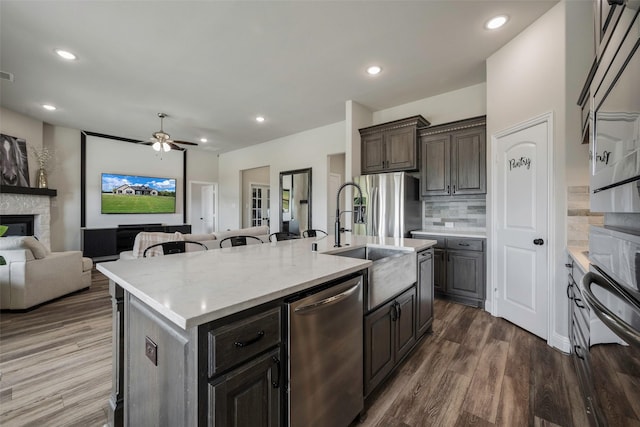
(325, 356)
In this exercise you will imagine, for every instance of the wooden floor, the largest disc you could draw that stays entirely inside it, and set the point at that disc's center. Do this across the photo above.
(55, 365)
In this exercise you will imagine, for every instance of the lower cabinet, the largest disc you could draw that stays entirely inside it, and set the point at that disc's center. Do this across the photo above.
(389, 334)
(425, 292)
(459, 268)
(249, 395)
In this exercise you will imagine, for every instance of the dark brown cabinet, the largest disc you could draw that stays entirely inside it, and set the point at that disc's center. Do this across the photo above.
(389, 335)
(453, 159)
(458, 268)
(392, 146)
(249, 395)
(425, 292)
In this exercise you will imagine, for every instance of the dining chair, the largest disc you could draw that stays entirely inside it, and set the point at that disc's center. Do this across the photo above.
(312, 232)
(282, 235)
(238, 241)
(172, 247)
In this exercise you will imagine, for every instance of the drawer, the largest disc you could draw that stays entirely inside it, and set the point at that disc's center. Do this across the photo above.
(237, 342)
(465, 244)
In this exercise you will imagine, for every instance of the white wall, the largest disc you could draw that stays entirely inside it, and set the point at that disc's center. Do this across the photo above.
(307, 149)
(459, 104)
(65, 178)
(526, 78)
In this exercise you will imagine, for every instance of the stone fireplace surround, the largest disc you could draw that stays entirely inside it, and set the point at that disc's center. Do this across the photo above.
(30, 204)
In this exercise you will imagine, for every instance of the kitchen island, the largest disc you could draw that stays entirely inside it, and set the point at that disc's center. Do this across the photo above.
(174, 315)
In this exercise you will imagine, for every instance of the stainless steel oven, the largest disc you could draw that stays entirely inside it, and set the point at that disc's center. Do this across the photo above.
(612, 295)
(615, 149)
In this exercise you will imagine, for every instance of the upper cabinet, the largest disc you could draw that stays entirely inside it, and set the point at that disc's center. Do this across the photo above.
(391, 147)
(453, 158)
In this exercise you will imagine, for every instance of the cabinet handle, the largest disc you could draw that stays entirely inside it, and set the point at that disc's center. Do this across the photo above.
(276, 382)
(251, 341)
(578, 302)
(569, 291)
(463, 244)
(399, 308)
(454, 189)
(448, 189)
(394, 312)
(568, 265)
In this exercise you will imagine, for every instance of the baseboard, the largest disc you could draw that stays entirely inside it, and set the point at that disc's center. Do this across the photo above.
(560, 342)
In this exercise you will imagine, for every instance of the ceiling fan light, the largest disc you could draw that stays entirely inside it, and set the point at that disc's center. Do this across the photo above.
(166, 146)
(156, 146)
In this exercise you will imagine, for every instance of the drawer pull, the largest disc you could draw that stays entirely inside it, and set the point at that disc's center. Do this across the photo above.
(463, 244)
(578, 302)
(251, 341)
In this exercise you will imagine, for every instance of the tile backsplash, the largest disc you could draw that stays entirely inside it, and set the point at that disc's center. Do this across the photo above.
(579, 217)
(464, 214)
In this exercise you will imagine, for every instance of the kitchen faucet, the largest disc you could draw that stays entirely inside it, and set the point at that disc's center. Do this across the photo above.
(358, 213)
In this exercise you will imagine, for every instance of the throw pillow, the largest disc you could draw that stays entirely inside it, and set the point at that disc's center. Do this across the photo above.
(38, 250)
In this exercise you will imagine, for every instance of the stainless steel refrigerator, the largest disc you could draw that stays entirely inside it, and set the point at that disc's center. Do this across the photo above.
(390, 204)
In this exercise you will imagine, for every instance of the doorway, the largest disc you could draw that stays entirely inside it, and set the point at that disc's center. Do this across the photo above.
(255, 184)
(203, 207)
(522, 206)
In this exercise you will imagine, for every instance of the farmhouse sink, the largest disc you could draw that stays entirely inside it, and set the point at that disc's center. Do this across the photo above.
(393, 270)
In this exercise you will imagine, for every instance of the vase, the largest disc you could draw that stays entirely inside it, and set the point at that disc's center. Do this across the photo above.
(42, 179)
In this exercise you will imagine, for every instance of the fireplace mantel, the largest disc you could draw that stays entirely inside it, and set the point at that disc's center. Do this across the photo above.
(8, 189)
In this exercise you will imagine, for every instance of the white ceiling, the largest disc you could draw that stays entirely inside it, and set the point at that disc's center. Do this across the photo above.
(213, 66)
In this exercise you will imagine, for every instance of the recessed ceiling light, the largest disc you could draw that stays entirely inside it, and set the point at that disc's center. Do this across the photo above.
(203, 139)
(48, 107)
(496, 22)
(259, 119)
(65, 54)
(373, 70)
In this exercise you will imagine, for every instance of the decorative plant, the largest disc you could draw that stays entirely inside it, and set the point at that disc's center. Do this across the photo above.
(3, 229)
(44, 155)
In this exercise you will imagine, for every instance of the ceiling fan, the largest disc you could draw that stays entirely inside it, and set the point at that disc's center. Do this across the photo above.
(162, 141)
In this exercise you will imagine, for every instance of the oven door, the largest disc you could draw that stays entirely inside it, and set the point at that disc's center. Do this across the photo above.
(615, 368)
(615, 151)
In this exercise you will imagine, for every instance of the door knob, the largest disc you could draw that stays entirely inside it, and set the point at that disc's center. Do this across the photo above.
(538, 242)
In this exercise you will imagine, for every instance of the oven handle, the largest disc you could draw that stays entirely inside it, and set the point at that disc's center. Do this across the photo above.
(619, 326)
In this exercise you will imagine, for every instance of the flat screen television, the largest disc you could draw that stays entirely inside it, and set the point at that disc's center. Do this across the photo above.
(131, 194)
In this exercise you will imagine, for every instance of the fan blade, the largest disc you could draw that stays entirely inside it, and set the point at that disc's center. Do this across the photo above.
(184, 142)
(176, 147)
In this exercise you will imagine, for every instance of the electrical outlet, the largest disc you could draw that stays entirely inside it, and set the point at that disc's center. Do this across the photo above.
(448, 224)
(151, 350)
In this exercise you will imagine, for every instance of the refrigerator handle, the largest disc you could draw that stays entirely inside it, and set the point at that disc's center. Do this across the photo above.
(374, 212)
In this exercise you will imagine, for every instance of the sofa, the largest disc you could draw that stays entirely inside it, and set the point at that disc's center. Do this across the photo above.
(211, 241)
(32, 275)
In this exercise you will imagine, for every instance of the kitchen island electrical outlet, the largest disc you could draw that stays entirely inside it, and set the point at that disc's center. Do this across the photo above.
(151, 350)
(448, 224)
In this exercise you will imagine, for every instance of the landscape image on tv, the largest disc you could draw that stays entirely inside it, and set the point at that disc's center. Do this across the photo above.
(129, 194)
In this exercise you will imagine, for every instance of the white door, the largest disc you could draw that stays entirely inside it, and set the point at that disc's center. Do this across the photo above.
(202, 201)
(208, 208)
(521, 184)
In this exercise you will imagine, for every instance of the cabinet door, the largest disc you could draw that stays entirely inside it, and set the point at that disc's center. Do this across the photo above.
(439, 271)
(372, 153)
(465, 274)
(435, 165)
(99, 242)
(405, 323)
(400, 149)
(425, 292)
(379, 337)
(248, 396)
(468, 162)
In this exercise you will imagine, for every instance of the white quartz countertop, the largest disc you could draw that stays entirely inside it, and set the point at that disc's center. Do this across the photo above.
(197, 287)
(452, 233)
(580, 256)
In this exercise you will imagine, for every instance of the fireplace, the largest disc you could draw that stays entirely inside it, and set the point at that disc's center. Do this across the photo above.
(35, 204)
(19, 225)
